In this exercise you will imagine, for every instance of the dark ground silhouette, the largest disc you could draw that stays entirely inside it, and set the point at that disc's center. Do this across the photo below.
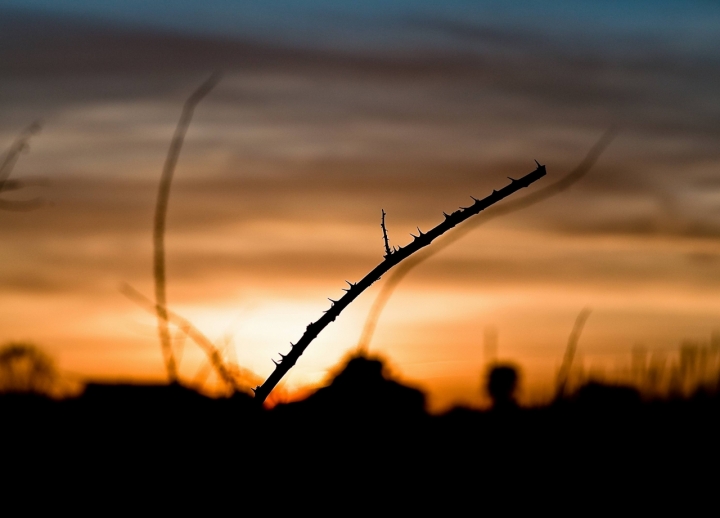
(364, 433)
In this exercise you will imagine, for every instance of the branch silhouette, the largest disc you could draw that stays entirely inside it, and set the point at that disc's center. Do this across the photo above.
(573, 339)
(529, 200)
(7, 165)
(236, 377)
(160, 217)
(386, 241)
(420, 241)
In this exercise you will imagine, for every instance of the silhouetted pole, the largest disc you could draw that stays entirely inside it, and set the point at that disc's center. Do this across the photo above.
(160, 215)
(396, 256)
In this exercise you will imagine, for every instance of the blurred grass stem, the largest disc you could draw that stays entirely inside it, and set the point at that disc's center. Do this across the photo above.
(161, 215)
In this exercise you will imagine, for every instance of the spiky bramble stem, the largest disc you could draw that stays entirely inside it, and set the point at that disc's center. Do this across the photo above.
(516, 204)
(424, 239)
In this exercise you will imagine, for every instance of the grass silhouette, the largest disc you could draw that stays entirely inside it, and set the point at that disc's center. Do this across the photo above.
(236, 377)
(574, 338)
(161, 215)
(20, 145)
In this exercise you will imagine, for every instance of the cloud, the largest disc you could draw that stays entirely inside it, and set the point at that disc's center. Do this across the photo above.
(648, 76)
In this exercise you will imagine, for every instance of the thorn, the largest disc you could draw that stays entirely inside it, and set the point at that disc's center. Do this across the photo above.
(512, 179)
(350, 284)
(413, 235)
(446, 215)
(538, 163)
(283, 356)
(292, 345)
(276, 363)
(421, 232)
(386, 241)
(474, 199)
(255, 389)
(494, 191)
(333, 301)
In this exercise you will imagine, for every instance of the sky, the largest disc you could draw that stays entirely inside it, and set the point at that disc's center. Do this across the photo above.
(327, 113)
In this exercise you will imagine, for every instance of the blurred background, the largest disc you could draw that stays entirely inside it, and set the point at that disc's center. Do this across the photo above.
(328, 112)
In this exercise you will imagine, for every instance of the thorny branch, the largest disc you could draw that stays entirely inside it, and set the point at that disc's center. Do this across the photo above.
(420, 241)
(236, 377)
(511, 206)
(160, 216)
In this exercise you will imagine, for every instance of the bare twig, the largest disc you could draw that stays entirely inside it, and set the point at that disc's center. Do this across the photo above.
(160, 216)
(420, 241)
(13, 153)
(511, 206)
(236, 377)
(573, 339)
(385, 235)
(8, 163)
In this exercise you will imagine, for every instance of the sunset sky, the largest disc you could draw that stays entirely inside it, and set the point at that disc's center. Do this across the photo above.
(328, 112)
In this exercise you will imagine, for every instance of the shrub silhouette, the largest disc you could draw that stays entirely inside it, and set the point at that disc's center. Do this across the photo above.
(502, 383)
(25, 369)
(362, 391)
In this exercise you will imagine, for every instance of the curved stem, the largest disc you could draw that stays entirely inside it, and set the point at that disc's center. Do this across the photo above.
(564, 374)
(419, 242)
(160, 216)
